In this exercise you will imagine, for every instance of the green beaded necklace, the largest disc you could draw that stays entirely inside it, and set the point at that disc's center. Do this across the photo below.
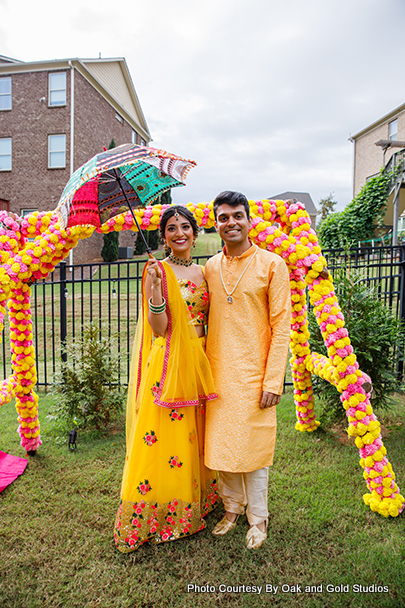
(180, 261)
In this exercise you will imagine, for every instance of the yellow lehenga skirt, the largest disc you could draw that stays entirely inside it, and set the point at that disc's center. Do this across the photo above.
(166, 489)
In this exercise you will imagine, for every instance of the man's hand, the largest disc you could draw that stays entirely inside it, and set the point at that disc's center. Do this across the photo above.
(269, 400)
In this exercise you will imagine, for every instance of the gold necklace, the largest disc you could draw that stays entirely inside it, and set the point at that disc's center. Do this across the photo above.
(229, 299)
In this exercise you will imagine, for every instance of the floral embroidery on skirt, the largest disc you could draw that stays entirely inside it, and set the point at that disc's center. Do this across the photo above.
(166, 489)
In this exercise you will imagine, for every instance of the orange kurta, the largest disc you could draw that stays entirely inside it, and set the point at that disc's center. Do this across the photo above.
(247, 347)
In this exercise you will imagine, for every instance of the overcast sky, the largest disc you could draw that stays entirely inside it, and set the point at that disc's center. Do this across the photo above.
(262, 94)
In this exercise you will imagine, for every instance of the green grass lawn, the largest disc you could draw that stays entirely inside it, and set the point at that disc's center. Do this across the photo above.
(56, 533)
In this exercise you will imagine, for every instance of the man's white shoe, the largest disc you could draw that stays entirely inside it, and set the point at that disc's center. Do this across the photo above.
(255, 537)
(224, 526)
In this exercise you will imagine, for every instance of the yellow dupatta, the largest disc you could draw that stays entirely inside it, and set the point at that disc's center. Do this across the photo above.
(186, 374)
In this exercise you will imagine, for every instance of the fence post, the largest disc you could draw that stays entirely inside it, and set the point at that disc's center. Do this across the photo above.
(63, 321)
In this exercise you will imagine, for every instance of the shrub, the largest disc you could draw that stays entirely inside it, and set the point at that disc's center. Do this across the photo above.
(109, 252)
(139, 245)
(377, 337)
(152, 238)
(85, 390)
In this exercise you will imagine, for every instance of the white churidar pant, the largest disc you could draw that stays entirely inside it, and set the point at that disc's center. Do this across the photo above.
(240, 489)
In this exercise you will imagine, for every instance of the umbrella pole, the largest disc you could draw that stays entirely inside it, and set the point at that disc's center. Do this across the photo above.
(148, 249)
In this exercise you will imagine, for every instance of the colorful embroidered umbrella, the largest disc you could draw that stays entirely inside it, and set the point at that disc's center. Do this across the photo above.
(127, 176)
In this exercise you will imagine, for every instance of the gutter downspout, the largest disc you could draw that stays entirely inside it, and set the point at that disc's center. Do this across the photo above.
(395, 218)
(72, 131)
(353, 141)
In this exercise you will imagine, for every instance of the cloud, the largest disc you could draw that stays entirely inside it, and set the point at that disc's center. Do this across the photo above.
(262, 94)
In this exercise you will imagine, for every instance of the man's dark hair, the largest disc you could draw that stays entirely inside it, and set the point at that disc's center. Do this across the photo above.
(233, 199)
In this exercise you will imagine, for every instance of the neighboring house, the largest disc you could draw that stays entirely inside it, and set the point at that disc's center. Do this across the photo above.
(304, 198)
(54, 116)
(374, 147)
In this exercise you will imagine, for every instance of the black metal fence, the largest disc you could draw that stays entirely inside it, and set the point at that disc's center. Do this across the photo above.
(382, 268)
(110, 295)
(74, 296)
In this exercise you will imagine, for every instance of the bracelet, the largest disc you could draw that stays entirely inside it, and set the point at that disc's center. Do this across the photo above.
(157, 309)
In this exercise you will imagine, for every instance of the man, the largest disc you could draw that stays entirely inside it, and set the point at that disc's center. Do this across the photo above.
(247, 344)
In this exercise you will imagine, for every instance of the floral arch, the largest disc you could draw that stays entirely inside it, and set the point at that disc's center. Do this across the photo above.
(23, 261)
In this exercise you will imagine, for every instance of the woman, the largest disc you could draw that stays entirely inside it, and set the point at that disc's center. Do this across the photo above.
(166, 489)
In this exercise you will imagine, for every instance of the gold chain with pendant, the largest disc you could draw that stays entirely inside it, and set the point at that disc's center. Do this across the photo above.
(229, 299)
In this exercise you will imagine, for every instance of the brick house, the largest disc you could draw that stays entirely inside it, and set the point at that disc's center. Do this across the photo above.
(54, 116)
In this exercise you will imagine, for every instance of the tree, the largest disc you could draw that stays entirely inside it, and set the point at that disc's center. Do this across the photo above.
(326, 206)
(166, 198)
(109, 252)
(152, 238)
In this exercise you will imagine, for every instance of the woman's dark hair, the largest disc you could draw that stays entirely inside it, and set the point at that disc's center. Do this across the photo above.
(170, 211)
(233, 199)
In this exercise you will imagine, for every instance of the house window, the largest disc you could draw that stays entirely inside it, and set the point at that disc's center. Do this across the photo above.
(5, 93)
(393, 130)
(57, 89)
(134, 137)
(5, 154)
(56, 151)
(143, 142)
(25, 212)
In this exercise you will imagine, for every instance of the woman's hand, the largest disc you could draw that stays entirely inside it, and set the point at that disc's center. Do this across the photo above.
(154, 274)
(153, 292)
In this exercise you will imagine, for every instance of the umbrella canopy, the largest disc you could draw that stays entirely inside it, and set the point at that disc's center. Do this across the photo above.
(110, 182)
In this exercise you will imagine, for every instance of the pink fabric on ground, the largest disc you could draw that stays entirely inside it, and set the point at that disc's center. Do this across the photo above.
(10, 468)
